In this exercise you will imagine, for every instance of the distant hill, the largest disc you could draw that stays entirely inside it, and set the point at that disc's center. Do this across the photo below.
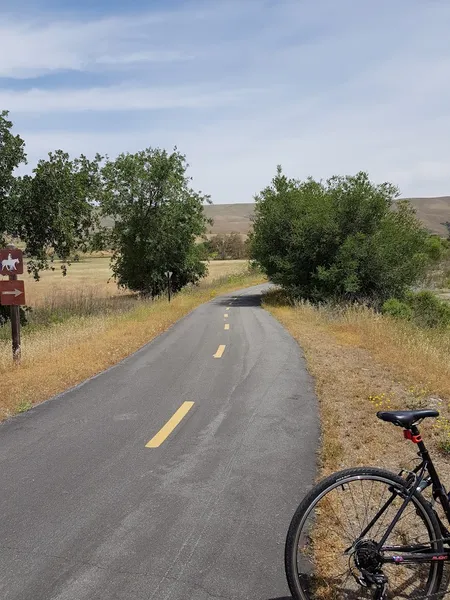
(230, 217)
(434, 212)
(237, 217)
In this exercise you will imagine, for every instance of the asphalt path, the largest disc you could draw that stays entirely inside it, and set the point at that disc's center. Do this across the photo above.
(171, 476)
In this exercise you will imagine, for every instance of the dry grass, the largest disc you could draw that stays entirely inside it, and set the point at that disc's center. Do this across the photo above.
(92, 277)
(59, 356)
(363, 362)
(89, 290)
(221, 268)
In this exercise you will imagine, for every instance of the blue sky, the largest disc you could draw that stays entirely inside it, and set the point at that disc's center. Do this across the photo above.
(322, 87)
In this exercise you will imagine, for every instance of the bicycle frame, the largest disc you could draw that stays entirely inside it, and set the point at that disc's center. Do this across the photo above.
(418, 553)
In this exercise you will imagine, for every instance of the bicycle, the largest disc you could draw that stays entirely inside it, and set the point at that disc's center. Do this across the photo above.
(350, 537)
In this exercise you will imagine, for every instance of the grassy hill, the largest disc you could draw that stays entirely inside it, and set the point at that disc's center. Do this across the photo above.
(230, 217)
(434, 212)
(237, 217)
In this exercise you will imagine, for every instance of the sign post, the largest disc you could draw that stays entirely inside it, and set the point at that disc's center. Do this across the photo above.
(169, 277)
(12, 292)
(15, 327)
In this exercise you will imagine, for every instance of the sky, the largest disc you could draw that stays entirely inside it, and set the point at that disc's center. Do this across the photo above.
(322, 87)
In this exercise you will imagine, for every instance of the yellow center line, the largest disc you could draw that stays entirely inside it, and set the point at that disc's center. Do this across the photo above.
(165, 431)
(220, 351)
(226, 326)
(228, 308)
(225, 315)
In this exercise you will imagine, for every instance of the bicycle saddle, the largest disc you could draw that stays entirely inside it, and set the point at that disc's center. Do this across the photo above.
(406, 418)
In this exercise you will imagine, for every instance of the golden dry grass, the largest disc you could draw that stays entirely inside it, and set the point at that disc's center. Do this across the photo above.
(362, 362)
(356, 355)
(221, 268)
(92, 277)
(62, 355)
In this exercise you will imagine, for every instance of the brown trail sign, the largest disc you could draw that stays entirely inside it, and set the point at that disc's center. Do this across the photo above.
(11, 261)
(12, 293)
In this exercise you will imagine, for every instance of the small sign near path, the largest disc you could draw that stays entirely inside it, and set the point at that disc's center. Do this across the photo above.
(11, 261)
(12, 293)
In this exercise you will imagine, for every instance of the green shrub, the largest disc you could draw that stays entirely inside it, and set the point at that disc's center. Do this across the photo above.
(343, 239)
(429, 310)
(397, 309)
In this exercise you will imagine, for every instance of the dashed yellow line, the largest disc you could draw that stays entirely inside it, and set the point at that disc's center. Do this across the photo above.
(165, 431)
(226, 326)
(220, 351)
(228, 308)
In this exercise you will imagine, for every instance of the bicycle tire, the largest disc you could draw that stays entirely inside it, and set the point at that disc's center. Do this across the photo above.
(334, 481)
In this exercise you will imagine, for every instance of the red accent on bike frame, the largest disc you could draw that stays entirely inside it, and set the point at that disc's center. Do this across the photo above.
(409, 436)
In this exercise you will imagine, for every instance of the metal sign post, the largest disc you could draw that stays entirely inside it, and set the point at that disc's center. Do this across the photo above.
(169, 277)
(12, 292)
(15, 327)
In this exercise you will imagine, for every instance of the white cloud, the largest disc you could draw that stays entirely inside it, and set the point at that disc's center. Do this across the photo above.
(139, 57)
(121, 98)
(321, 88)
(30, 49)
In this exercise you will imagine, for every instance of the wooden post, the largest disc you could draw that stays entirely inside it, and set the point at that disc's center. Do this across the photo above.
(15, 323)
(168, 286)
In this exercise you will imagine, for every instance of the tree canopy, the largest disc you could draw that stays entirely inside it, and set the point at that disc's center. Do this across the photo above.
(157, 219)
(55, 212)
(227, 246)
(57, 207)
(12, 154)
(339, 239)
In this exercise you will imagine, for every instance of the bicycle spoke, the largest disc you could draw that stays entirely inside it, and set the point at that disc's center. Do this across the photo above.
(350, 536)
(356, 510)
(375, 535)
(348, 519)
(331, 541)
(366, 520)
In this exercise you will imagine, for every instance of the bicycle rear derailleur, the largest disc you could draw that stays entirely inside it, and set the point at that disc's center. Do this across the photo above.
(368, 562)
(379, 580)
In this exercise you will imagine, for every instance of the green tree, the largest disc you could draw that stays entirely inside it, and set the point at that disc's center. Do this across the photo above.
(57, 208)
(235, 246)
(203, 250)
(157, 219)
(227, 246)
(218, 246)
(12, 154)
(340, 239)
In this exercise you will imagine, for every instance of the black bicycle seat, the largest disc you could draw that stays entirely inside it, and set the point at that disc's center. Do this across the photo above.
(406, 418)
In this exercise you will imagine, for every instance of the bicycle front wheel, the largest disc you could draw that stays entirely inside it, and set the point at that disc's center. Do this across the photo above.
(332, 540)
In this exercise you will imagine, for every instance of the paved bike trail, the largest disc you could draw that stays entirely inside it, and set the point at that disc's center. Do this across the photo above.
(88, 512)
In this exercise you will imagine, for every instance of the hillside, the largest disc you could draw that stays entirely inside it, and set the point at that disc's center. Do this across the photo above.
(434, 212)
(237, 217)
(230, 217)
